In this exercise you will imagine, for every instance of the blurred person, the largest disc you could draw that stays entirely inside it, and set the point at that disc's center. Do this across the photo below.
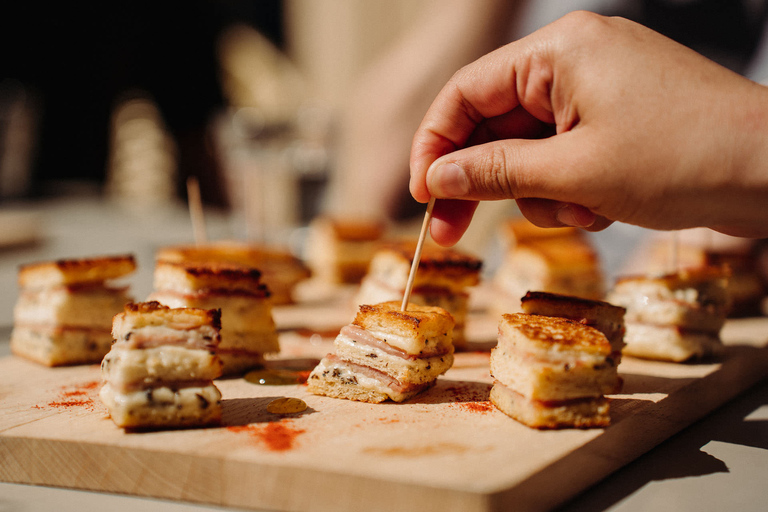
(592, 120)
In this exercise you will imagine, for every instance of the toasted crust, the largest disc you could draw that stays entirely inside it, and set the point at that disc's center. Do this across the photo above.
(186, 277)
(544, 333)
(75, 271)
(417, 326)
(152, 313)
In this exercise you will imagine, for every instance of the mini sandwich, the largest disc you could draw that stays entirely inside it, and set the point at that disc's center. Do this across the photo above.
(701, 248)
(340, 250)
(674, 317)
(554, 260)
(552, 372)
(604, 317)
(443, 280)
(386, 354)
(160, 370)
(64, 312)
(280, 270)
(248, 328)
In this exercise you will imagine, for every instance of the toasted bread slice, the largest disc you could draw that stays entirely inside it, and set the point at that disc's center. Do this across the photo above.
(553, 339)
(577, 413)
(601, 315)
(127, 369)
(670, 342)
(238, 312)
(59, 346)
(545, 380)
(163, 407)
(191, 277)
(413, 331)
(90, 307)
(48, 274)
(154, 314)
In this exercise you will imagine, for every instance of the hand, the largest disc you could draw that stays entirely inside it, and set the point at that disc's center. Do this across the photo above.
(592, 120)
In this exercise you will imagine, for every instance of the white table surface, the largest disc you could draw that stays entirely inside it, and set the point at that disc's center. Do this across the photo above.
(718, 463)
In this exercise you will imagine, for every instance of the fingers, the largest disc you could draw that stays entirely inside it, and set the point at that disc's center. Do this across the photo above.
(546, 213)
(450, 219)
(512, 169)
(483, 90)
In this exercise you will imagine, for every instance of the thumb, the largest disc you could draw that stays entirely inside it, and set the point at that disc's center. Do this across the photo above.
(510, 169)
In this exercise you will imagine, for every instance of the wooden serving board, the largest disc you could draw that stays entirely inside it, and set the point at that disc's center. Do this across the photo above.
(448, 449)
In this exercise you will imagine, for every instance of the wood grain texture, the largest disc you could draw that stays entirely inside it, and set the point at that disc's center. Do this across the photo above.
(447, 449)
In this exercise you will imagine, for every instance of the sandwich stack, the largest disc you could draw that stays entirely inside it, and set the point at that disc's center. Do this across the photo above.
(340, 250)
(552, 372)
(555, 260)
(701, 248)
(386, 354)
(64, 312)
(443, 280)
(248, 329)
(280, 270)
(674, 317)
(160, 370)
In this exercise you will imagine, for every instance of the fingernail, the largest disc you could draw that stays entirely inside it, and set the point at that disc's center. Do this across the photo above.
(449, 180)
(568, 216)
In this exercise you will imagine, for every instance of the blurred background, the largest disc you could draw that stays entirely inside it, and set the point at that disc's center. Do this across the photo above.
(282, 109)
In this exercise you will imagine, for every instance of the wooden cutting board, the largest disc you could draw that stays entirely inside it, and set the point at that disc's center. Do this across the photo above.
(447, 449)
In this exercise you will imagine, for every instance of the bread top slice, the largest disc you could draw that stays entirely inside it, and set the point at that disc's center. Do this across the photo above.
(540, 335)
(208, 277)
(438, 266)
(65, 272)
(414, 331)
(154, 314)
(570, 306)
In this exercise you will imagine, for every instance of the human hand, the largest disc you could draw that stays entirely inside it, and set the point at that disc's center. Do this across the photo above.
(646, 132)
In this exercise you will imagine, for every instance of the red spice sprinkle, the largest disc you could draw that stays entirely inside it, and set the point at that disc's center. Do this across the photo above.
(279, 436)
(481, 407)
(71, 403)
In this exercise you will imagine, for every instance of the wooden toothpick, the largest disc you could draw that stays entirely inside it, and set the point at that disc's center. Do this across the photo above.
(417, 254)
(675, 251)
(196, 211)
